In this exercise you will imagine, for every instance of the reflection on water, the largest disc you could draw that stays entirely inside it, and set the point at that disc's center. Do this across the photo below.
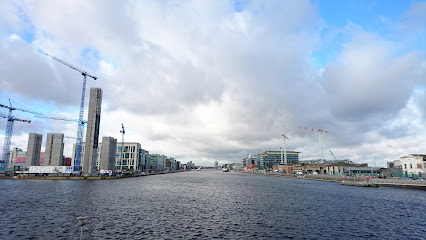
(208, 204)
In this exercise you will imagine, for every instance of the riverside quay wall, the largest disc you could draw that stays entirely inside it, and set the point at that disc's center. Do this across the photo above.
(76, 177)
(393, 182)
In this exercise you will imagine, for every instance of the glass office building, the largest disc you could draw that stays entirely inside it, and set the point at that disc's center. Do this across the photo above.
(268, 159)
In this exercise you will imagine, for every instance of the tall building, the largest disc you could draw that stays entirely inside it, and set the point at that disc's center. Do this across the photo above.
(108, 152)
(92, 133)
(33, 150)
(216, 164)
(54, 153)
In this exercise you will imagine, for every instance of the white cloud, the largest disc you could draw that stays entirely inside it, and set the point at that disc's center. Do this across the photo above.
(196, 80)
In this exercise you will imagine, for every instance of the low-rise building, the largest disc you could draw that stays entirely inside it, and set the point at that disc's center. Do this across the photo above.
(332, 168)
(16, 152)
(414, 165)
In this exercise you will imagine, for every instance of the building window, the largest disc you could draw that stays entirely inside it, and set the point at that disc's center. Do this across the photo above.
(405, 165)
(411, 165)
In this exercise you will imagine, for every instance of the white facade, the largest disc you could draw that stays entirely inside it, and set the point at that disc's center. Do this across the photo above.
(50, 169)
(130, 156)
(414, 165)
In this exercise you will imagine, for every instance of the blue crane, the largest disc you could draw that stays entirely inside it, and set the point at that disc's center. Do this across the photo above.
(122, 147)
(9, 130)
(62, 119)
(78, 145)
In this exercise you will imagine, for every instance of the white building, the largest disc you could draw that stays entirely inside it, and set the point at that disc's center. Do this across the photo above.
(131, 156)
(414, 165)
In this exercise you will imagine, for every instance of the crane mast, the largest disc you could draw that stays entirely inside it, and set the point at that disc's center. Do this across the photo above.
(79, 142)
(122, 147)
(8, 135)
(320, 132)
(285, 150)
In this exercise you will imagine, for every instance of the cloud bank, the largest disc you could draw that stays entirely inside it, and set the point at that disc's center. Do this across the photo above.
(215, 80)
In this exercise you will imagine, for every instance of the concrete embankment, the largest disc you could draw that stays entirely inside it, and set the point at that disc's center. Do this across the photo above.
(356, 180)
(69, 177)
(359, 184)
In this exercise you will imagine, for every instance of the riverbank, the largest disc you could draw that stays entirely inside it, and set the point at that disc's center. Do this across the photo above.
(75, 177)
(354, 181)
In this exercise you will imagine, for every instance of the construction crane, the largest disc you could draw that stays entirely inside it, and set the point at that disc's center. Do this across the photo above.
(63, 119)
(122, 146)
(332, 154)
(320, 132)
(70, 137)
(78, 145)
(9, 130)
(285, 150)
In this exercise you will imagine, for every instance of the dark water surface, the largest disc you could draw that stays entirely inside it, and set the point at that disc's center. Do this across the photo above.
(208, 204)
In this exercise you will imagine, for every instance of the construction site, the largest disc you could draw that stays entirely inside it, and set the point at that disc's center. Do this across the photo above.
(85, 154)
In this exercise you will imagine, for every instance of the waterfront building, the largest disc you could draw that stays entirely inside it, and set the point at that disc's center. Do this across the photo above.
(108, 153)
(16, 152)
(394, 164)
(393, 172)
(131, 153)
(171, 165)
(144, 160)
(268, 159)
(92, 133)
(320, 161)
(335, 168)
(190, 165)
(414, 165)
(33, 150)
(288, 169)
(158, 162)
(54, 153)
(20, 159)
(216, 164)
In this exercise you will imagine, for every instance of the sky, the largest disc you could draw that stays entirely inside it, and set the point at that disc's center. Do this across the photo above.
(208, 81)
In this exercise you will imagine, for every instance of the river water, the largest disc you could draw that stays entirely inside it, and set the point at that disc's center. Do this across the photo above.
(208, 204)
